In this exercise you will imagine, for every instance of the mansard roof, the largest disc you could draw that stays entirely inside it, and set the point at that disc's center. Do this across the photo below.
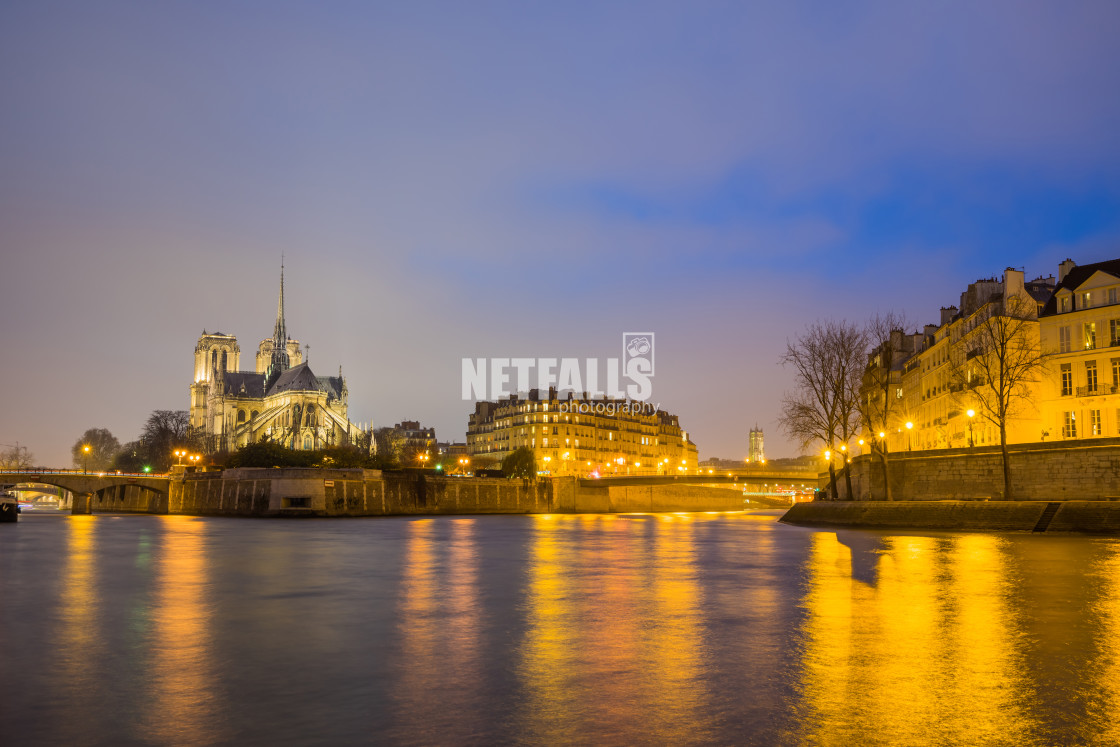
(1076, 277)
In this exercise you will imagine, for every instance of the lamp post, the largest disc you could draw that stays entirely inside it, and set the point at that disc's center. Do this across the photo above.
(194, 459)
(909, 438)
(180, 453)
(971, 414)
(85, 455)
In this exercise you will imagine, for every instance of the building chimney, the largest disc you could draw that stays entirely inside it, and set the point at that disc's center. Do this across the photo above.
(1012, 282)
(1064, 268)
(947, 314)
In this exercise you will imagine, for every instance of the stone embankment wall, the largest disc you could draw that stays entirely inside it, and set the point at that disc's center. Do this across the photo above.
(1056, 471)
(590, 496)
(131, 499)
(356, 492)
(1093, 517)
(350, 492)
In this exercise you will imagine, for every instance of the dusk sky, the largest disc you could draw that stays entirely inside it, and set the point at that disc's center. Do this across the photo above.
(450, 180)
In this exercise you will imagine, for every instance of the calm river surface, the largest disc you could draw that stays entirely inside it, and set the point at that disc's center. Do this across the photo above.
(635, 629)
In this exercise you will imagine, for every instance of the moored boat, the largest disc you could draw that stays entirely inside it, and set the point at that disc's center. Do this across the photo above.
(9, 507)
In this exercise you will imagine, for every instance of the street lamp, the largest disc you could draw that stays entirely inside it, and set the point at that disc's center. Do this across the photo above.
(180, 453)
(909, 438)
(85, 454)
(194, 459)
(971, 414)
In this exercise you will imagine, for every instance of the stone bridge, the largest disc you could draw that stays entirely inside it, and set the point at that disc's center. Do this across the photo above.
(113, 490)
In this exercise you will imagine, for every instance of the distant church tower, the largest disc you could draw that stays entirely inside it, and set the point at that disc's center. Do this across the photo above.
(754, 449)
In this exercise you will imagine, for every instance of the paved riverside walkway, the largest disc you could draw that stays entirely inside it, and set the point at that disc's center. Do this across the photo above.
(1089, 517)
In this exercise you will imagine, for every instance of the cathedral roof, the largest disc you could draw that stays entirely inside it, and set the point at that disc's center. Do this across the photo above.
(332, 385)
(301, 379)
(244, 383)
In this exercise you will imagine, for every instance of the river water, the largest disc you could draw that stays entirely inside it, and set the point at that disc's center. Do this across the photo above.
(631, 629)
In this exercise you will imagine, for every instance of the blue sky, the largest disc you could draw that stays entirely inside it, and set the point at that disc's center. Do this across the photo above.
(507, 179)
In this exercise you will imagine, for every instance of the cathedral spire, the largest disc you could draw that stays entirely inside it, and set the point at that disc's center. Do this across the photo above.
(280, 334)
(280, 360)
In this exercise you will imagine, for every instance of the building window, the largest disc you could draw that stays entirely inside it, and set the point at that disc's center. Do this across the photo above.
(1115, 374)
(1067, 379)
(1112, 295)
(1069, 428)
(1064, 304)
(1091, 377)
(1095, 422)
(1114, 332)
(1063, 339)
(1090, 334)
(1086, 300)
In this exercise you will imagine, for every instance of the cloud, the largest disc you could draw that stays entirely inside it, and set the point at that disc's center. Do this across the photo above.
(449, 180)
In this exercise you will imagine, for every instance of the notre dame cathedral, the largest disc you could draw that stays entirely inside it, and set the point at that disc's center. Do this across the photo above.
(282, 401)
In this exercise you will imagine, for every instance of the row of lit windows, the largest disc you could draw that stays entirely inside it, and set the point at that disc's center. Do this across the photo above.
(1087, 299)
(1092, 383)
(1095, 424)
(1088, 336)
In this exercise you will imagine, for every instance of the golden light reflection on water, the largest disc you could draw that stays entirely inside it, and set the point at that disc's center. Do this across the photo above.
(439, 628)
(418, 628)
(184, 707)
(1104, 675)
(614, 642)
(921, 654)
(80, 644)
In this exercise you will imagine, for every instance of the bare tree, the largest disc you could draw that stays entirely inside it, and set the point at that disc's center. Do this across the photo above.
(16, 457)
(878, 387)
(827, 360)
(1001, 359)
(96, 449)
(165, 431)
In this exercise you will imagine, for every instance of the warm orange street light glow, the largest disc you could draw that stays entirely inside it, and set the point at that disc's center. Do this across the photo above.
(909, 425)
(971, 413)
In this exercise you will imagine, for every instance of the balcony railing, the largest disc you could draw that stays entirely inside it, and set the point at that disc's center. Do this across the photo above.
(1094, 391)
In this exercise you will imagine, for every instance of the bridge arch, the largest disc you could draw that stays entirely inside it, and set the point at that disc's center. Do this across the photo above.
(109, 490)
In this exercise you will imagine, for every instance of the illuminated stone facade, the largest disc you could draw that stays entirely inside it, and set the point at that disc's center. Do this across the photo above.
(582, 437)
(282, 401)
(932, 372)
(1080, 329)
